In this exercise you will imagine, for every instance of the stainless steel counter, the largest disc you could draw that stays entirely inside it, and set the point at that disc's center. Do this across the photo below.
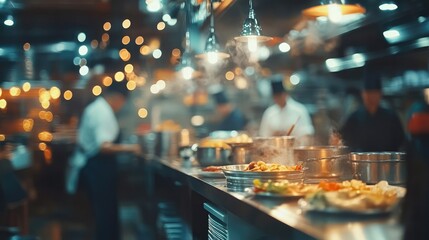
(282, 217)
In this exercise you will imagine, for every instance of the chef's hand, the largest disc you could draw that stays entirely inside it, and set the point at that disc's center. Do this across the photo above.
(136, 149)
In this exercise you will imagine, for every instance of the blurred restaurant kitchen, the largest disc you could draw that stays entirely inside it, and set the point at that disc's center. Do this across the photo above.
(227, 105)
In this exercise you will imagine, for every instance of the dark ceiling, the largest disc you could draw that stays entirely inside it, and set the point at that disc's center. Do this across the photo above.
(45, 22)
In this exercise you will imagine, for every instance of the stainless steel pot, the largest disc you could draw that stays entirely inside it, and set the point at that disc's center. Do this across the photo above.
(147, 142)
(166, 143)
(216, 156)
(324, 162)
(240, 153)
(372, 167)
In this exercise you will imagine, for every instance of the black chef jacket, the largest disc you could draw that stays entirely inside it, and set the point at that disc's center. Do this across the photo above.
(234, 121)
(377, 132)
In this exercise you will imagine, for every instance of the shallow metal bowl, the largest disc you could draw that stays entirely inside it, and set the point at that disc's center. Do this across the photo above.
(237, 179)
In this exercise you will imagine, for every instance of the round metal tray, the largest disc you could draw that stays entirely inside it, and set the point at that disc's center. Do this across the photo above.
(237, 179)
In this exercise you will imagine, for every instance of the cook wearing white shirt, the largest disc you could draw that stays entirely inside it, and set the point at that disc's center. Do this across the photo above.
(279, 118)
(97, 144)
(98, 125)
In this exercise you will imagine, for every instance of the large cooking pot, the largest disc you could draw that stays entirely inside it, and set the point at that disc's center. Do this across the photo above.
(241, 152)
(165, 143)
(147, 142)
(324, 162)
(213, 156)
(372, 167)
(273, 149)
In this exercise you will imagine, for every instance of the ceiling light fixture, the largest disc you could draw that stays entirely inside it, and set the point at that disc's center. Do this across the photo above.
(212, 51)
(251, 32)
(333, 9)
(186, 65)
(9, 21)
(388, 6)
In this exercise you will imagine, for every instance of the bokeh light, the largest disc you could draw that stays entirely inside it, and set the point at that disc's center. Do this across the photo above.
(68, 95)
(55, 92)
(176, 52)
(15, 91)
(139, 40)
(96, 90)
(126, 40)
(160, 26)
(126, 23)
(3, 103)
(27, 124)
(26, 87)
(107, 26)
(119, 76)
(142, 112)
(107, 81)
(157, 53)
(129, 68)
(229, 75)
(145, 50)
(26, 46)
(131, 85)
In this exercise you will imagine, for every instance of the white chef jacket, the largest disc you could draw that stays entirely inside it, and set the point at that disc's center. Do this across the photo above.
(281, 119)
(97, 125)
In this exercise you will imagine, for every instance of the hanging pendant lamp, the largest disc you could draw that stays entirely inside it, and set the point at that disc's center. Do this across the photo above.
(212, 51)
(251, 31)
(186, 65)
(333, 9)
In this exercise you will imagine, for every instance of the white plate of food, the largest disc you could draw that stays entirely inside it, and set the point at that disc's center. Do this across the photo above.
(355, 197)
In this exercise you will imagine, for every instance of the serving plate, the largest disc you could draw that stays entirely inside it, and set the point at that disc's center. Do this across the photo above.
(209, 174)
(307, 206)
(273, 195)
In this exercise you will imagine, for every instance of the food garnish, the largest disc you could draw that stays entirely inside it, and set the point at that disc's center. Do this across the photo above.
(212, 169)
(283, 187)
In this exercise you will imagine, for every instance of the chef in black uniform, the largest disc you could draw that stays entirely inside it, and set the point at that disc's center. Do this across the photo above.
(372, 128)
(231, 118)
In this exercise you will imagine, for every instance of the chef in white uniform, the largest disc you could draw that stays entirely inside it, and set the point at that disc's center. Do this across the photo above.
(279, 118)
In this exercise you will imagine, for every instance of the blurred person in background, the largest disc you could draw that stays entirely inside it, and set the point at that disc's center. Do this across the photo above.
(230, 117)
(13, 196)
(97, 143)
(278, 119)
(371, 128)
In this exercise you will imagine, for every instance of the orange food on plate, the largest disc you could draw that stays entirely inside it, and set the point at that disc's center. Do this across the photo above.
(330, 186)
(212, 169)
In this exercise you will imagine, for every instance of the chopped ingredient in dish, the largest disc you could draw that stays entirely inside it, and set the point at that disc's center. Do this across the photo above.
(261, 166)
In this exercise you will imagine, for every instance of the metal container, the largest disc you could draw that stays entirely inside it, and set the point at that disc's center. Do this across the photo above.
(372, 167)
(213, 156)
(237, 179)
(166, 144)
(240, 153)
(147, 142)
(273, 150)
(324, 162)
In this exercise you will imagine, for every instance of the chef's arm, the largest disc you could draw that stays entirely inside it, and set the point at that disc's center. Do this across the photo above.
(108, 147)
